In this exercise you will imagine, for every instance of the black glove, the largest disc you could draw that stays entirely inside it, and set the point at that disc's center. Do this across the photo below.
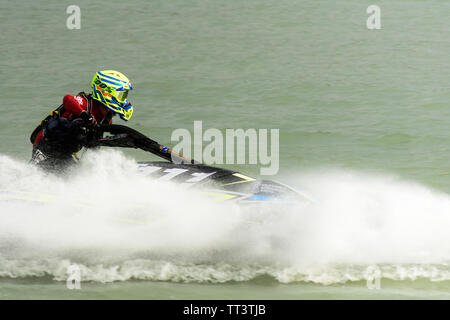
(87, 118)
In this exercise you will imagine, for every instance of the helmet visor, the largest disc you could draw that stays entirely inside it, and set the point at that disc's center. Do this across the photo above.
(122, 95)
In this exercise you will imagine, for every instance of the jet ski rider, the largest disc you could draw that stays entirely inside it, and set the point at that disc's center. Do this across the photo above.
(66, 130)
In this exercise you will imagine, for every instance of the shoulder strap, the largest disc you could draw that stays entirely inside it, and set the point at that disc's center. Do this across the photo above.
(88, 99)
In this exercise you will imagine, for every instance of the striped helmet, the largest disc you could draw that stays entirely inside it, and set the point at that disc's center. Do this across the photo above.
(110, 88)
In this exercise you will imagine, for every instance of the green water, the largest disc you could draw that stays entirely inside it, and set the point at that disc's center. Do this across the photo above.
(343, 97)
(29, 289)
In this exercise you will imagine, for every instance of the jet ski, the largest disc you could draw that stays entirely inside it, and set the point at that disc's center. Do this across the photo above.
(220, 184)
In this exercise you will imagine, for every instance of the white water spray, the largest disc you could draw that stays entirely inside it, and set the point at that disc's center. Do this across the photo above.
(118, 225)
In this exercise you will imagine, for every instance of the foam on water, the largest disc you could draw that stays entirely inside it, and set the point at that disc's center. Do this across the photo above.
(118, 225)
